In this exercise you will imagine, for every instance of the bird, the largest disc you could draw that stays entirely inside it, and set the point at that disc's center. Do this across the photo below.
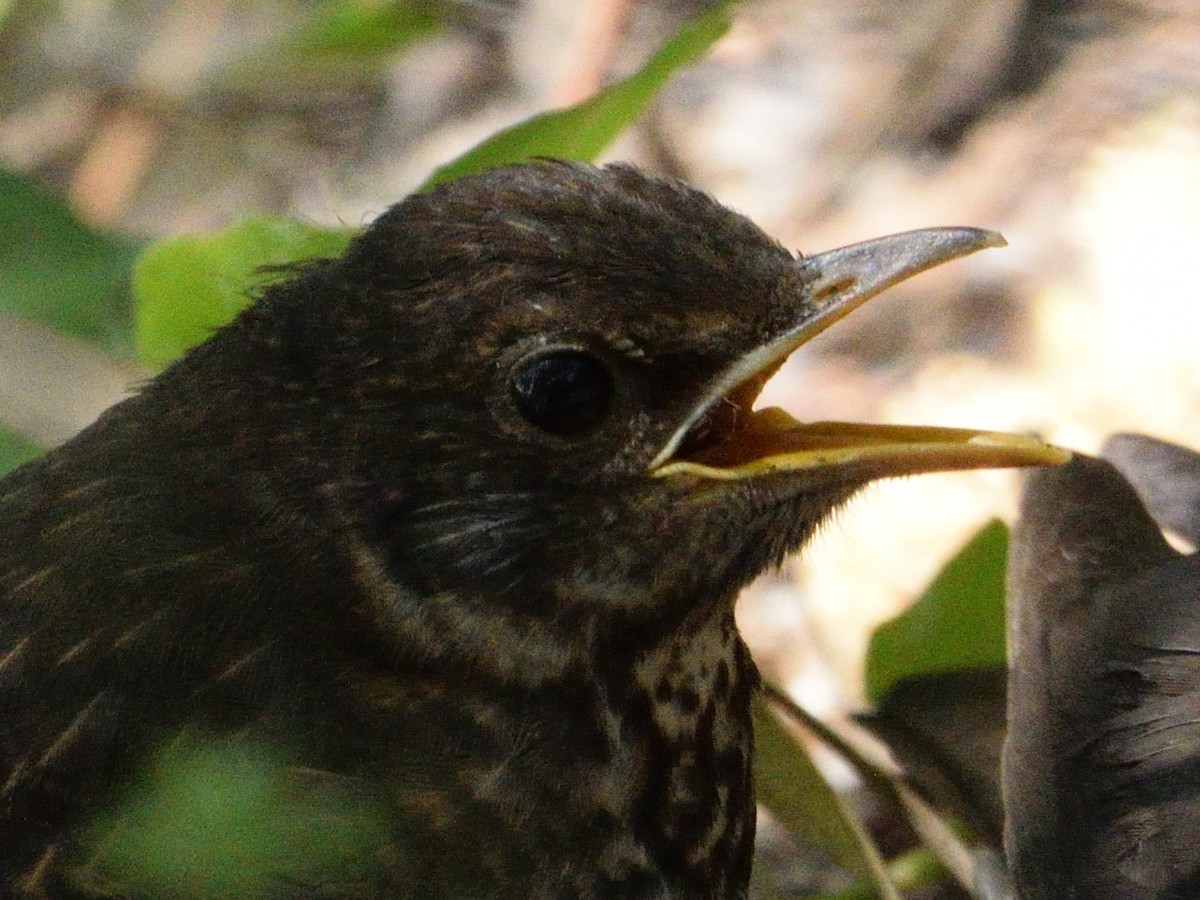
(445, 533)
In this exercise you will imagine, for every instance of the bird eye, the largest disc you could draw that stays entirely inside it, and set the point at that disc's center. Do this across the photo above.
(563, 392)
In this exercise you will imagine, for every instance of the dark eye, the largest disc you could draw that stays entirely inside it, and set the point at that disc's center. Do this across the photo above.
(563, 391)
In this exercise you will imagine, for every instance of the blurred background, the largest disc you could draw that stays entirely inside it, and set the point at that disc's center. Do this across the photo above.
(1072, 126)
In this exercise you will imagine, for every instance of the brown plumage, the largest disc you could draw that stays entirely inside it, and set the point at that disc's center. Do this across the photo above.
(453, 524)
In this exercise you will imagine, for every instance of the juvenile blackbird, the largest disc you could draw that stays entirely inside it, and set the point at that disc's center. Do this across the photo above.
(455, 523)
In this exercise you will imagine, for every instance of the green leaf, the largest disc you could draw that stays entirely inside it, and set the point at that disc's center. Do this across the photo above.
(584, 130)
(958, 623)
(232, 819)
(15, 450)
(60, 272)
(361, 29)
(790, 786)
(343, 37)
(6, 7)
(910, 871)
(187, 287)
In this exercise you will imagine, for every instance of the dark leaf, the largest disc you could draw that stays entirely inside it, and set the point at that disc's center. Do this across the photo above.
(1166, 477)
(946, 731)
(1102, 762)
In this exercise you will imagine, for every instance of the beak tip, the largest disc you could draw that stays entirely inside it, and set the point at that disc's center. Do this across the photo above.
(993, 239)
(848, 276)
(957, 241)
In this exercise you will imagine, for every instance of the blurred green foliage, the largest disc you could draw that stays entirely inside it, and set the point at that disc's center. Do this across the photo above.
(57, 270)
(342, 39)
(358, 32)
(217, 819)
(15, 450)
(187, 287)
(584, 130)
(6, 7)
(956, 624)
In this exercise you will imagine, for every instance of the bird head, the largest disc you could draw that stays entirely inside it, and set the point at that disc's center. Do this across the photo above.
(537, 386)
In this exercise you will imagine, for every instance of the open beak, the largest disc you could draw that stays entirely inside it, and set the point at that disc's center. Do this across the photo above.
(724, 439)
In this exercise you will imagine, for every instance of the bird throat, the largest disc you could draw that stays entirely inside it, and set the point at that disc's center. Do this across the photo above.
(651, 736)
(697, 806)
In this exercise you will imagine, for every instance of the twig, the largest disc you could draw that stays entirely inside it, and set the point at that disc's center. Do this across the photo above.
(874, 765)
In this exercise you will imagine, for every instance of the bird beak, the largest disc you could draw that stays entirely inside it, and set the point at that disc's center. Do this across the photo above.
(724, 439)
